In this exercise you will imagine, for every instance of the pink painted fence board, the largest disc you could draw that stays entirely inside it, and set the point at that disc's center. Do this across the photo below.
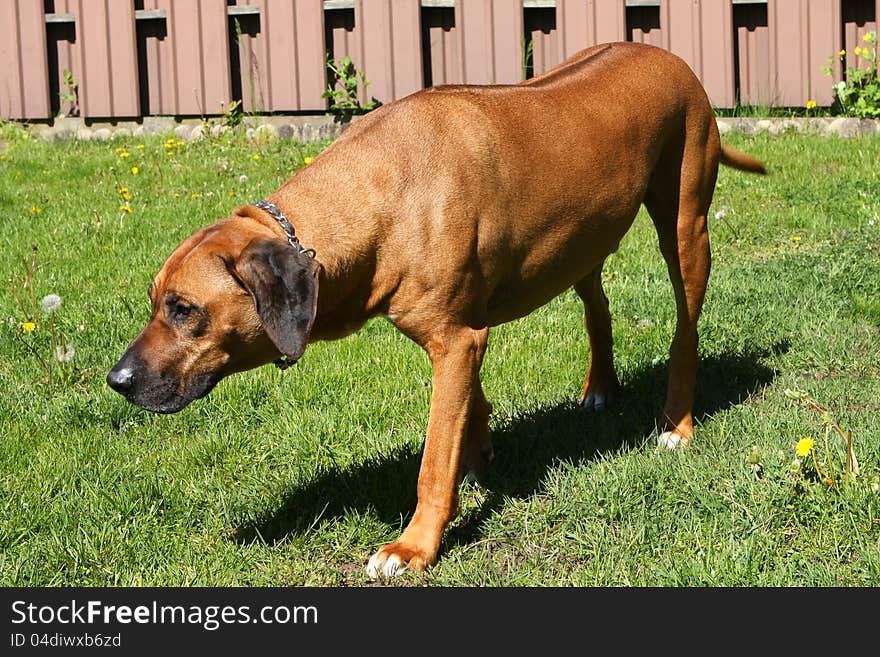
(443, 65)
(103, 61)
(492, 41)
(282, 65)
(753, 42)
(585, 23)
(858, 21)
(391, 43)
(701, 33)
(643, 25)
(800, 45)
(188, 68)
(24, 76)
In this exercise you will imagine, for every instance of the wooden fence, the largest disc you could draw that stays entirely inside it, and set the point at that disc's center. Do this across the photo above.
(118, 59)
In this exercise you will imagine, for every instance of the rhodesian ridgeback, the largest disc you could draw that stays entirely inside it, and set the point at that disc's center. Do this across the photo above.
(449, 212)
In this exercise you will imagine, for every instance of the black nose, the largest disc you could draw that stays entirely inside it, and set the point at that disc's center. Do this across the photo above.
(120, 379)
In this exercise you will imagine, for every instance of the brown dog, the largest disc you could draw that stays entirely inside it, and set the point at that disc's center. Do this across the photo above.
(451, 211)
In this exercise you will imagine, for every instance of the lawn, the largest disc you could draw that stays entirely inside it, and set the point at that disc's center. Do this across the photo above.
(296, 477)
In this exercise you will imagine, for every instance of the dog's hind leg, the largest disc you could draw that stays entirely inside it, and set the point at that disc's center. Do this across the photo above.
(601, 385)
(478, 451)
(456, 353)
(678, 201)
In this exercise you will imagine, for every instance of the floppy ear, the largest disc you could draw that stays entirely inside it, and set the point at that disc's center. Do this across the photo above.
(284, 285)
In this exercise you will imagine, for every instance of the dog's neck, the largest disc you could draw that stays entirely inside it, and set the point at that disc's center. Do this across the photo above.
(338, 298)
(286, 226)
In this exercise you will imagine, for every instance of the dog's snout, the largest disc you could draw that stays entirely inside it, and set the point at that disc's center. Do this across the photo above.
(121, 379)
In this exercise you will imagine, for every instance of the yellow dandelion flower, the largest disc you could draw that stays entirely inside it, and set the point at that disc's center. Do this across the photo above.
(125, 208)
(135, 171)
(232, 193)
(811, 104)
(196, 195)
(867, 37)
(256, 156)
(28, 326)
(180, 142)
(307, 160)
(123, 190)
(805, 446)
(139, 147)
(36, 210)
(126, 197)
(169, 152)
(842, 53)
(795, 238)
(125, 154)
(857, 51)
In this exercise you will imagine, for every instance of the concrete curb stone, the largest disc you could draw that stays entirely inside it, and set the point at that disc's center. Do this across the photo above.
(262, 129)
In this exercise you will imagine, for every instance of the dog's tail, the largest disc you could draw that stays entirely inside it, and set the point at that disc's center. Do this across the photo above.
(734, 158)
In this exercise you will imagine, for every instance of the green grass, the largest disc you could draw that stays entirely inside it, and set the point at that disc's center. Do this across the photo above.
(295, 478)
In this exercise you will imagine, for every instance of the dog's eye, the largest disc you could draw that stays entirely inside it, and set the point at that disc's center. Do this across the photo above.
(180, 311)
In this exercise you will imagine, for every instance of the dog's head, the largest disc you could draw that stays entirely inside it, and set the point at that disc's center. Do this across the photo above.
(225, 301)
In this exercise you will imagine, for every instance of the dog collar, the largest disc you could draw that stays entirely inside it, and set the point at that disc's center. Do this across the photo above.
(286, 226)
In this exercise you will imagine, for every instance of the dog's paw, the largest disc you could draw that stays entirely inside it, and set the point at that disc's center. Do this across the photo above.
(393, 560)
(599, 392)
(595, 401)
(381, 566)
(672, 440)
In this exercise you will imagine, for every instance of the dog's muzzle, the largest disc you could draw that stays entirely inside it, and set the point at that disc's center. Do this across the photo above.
(154, 391)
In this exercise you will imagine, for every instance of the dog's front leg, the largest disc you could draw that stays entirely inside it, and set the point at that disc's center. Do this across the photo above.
(456, 355)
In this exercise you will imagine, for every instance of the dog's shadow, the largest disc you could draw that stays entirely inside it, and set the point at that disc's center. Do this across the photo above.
(526, 447)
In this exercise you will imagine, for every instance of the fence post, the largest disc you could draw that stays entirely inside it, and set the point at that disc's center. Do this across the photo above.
(803, 34)
(701, 33)
(491, 40)
(392, 47)
(188, 69)
(105, 58)
(582, 24)
(24, 76)
(281, 64)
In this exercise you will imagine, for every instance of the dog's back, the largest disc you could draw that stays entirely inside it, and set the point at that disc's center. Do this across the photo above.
(545, 176)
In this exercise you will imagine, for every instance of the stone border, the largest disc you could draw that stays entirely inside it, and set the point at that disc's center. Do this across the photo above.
(262, 128)
(841, 126)
(313, 128)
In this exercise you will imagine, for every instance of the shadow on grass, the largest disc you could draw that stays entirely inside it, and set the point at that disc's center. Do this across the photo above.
(525, 449)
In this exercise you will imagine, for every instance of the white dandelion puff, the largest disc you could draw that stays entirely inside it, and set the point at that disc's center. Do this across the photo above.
(64, 354)
(51, 303)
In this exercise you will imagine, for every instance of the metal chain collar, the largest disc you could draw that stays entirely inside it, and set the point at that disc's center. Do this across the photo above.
(286, 226)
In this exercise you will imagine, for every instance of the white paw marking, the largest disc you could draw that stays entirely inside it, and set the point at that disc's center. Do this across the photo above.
(669, 439)
(390, 567)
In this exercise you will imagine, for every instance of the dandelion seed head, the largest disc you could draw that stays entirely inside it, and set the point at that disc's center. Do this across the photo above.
(51, 303)
(64, 354)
